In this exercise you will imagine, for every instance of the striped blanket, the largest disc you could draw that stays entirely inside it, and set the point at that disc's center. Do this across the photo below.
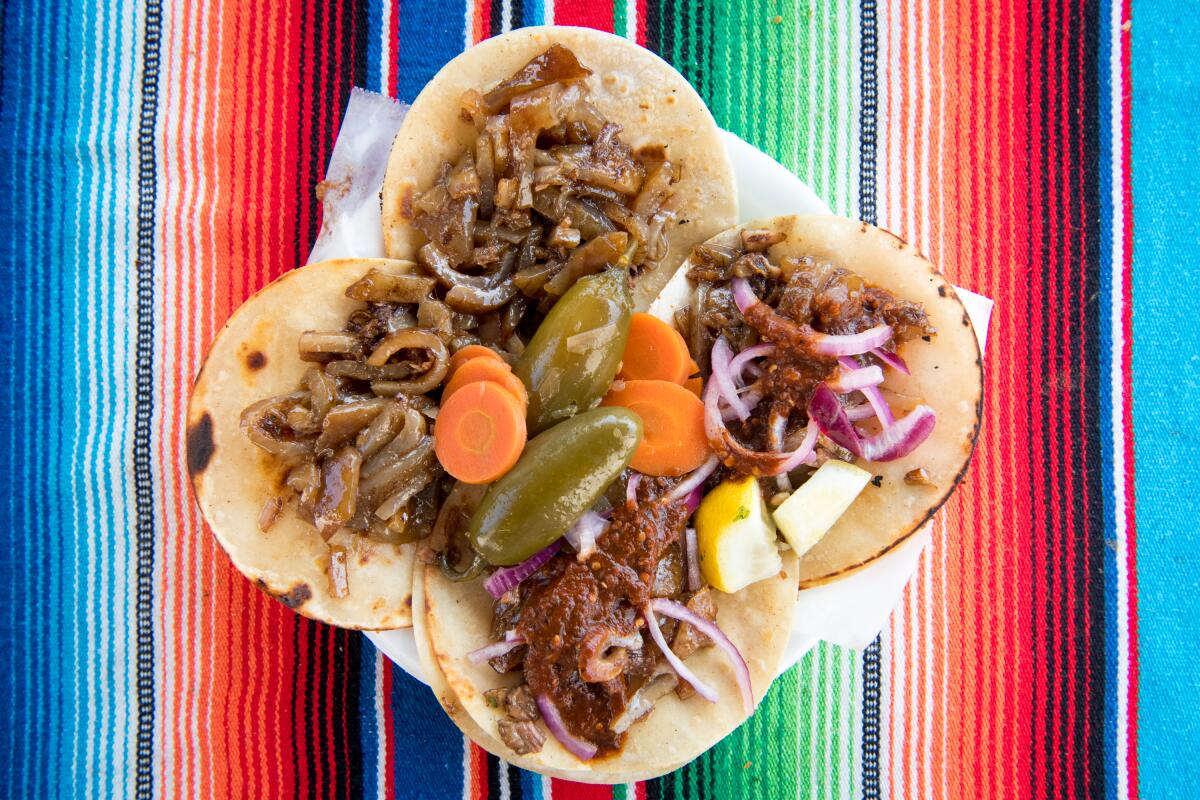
(160, 160)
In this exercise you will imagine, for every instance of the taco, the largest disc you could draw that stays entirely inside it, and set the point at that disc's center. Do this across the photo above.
(555, 138)
(840, 343)
(282, 383)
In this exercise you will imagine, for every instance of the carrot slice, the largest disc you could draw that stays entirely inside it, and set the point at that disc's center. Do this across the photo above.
(695, 384)
(469, 352)
(655, 351)
(673, 440)
(484, 368)
(480, 432)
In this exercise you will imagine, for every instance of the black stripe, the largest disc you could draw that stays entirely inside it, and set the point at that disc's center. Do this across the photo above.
(296, 695)
(654, 26)
(1043, 528)
(518, 14)
(143, 479)
(362, 34)
(867, 141)
(514, 783)
(1089, 420)
(347, 699)
(496, 18)
(307, 634)
(493, 776)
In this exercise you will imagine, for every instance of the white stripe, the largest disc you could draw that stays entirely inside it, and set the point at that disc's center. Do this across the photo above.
(469, 25)
(381, 729)
(814, 736)
(385, 51)
(505, 793)
(548, 19)
(631, 35)
(505, 16)
(466, 746)
(1117, 373)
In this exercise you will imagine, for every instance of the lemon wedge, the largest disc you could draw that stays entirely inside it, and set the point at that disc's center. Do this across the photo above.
(810, 511)
(736, 536)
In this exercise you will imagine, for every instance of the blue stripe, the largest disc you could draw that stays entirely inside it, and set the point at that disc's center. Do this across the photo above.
(374, 51)
(1166, 374)
(1105, 334)
(533, 12)
(430, 35)
(428, 747)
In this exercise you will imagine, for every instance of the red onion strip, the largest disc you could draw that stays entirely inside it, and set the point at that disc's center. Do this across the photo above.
(490, 651)
(743, 295)
(506, 578)
(893, 360)
(860, 412)
(583, 534)
(853, 344)
(715, 430)
(698, 476)
(702, 688)
(583, 750)
(631, 487)
(896, 441)
(724, 378)
(709, 628)
(856, 379)
(878, 405)
(868, 384)
(692, 552)
(742, 359)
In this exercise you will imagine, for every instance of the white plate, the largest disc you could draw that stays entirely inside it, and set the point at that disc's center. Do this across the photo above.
(765, 189)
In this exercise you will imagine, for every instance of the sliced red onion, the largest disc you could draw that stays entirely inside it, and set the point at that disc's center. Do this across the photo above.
(693, 481)
(852, 345)
(693, 501)
(801, 453)
(631, 487)
(692, 553)
(670, 608)
(752, 399)
(855, 378)
(743, 295)
(581, 749)
(583, 534)
(893, 360)
(895, 441)
(861, 412)
(715, 429)
(506, 578)
(742, 360)
(724, 378)
(685, 674)
(486, 653)
(878, 405)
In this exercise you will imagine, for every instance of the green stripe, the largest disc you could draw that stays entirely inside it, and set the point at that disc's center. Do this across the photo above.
(786, 87)
(619, 21)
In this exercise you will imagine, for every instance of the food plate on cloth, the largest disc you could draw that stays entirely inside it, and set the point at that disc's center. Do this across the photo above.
(591, 414)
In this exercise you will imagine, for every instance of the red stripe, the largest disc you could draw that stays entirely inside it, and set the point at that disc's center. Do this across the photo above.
(570, 789)
(585, 13)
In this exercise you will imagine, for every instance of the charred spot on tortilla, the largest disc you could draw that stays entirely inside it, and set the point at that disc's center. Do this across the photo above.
(297, 596)
(200, 445)
(255, 360)
(406, 201)
(941, 291)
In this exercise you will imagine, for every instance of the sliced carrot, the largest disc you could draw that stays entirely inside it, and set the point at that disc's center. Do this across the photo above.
(673, 440)
(480, 432)
(694, 384)
(469, 352)
(655, 351)
(484, 368)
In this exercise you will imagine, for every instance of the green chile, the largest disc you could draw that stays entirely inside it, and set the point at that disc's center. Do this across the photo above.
(573, 357)
(561, 474)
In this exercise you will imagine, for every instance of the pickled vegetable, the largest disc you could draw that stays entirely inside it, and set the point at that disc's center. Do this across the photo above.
(561, 474)
(575, 353)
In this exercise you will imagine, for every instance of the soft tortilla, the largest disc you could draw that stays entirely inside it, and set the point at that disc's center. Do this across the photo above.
(449, 702)
(631, 86)
(758, 619)
(255, 357)
(947, 374)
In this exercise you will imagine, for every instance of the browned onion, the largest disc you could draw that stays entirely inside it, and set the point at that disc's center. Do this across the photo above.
(604, 652)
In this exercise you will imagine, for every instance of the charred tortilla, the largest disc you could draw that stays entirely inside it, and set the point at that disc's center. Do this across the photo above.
(255, 356)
